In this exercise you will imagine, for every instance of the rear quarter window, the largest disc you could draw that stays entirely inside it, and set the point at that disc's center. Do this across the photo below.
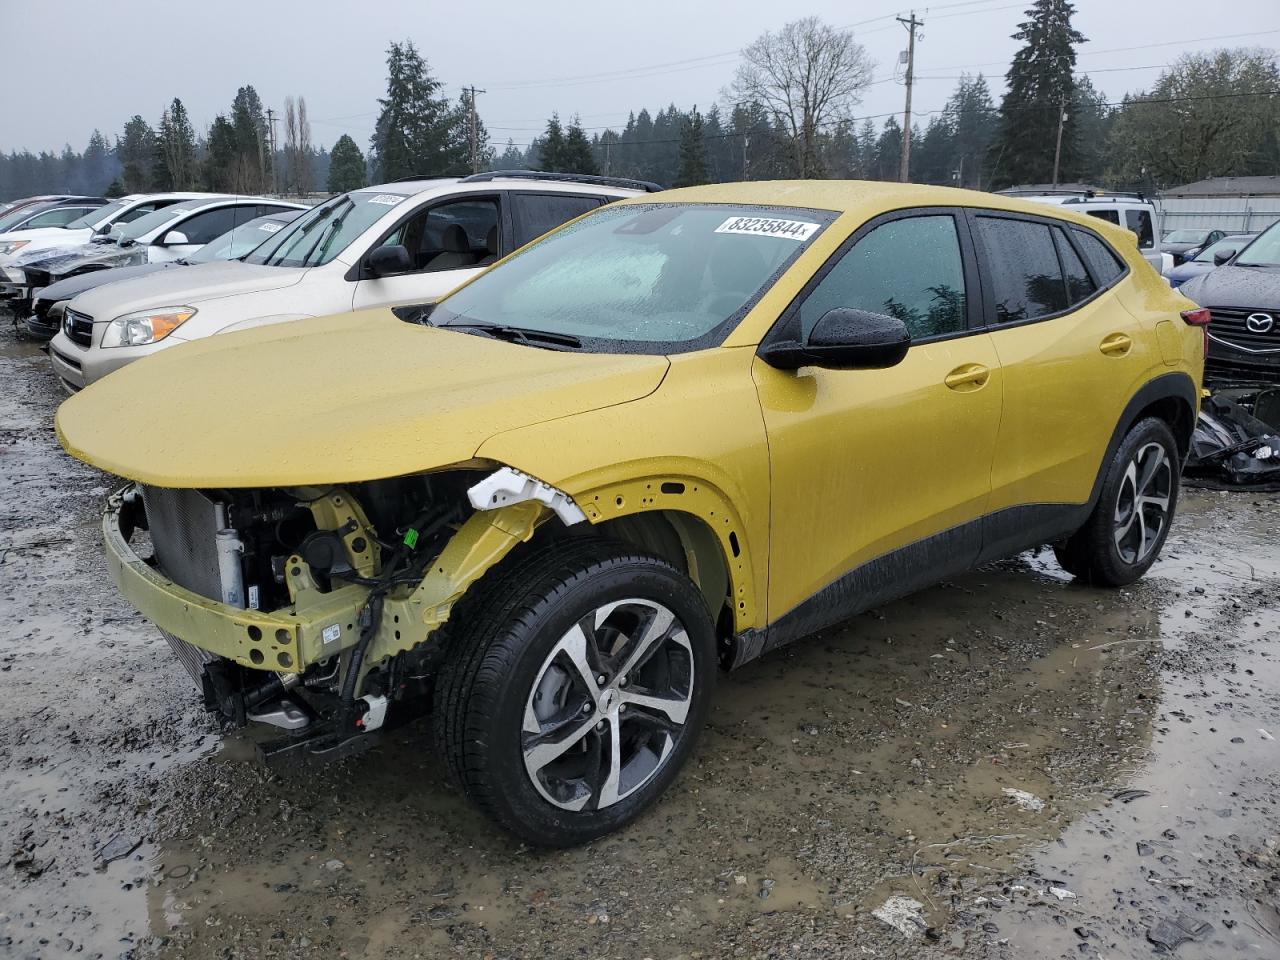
(1104, 262)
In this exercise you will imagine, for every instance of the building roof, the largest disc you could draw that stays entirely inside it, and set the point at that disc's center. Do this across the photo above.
(1227, 187)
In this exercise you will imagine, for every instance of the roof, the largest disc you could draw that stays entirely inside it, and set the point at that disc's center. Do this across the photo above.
(866, 198)
(1227, 187)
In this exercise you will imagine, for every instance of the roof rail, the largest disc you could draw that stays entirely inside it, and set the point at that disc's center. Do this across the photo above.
(646, 185)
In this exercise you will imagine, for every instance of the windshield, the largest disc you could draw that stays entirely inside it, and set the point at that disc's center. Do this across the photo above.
(236, 243)
(156, 219)
(1264, 251)
(101, 214)
(1226, 243)
(318, 236)
(1186, 236)
(654, 278)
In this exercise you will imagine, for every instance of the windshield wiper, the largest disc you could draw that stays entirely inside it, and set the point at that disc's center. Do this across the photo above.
(525, 335)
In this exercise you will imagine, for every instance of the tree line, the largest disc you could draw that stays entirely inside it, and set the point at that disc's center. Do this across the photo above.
(791, 111)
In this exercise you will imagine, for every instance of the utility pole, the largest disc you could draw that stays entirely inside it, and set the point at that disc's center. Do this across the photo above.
(271, 148)
(746, 142)
(475, 129)
(1057, 150)
(912, 24)
(608, 153)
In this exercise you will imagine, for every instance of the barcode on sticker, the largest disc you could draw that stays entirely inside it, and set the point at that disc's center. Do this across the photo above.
(330, 634)
(769, 227)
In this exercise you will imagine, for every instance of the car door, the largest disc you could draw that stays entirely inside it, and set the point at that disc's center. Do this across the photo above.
(448, 241)
(880, 478)
(1071, 355)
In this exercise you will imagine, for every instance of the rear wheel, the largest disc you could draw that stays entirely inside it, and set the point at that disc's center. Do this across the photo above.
(575, 689)
(1129, 524)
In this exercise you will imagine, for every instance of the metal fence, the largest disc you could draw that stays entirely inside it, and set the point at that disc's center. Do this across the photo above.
(1242, 214)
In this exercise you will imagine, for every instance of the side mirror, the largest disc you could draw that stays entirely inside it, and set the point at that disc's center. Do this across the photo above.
(388, 261)
(174, 238)
(1222, 256)
(845, 339)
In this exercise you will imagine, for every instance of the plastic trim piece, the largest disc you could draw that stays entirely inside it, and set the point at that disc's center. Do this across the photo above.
(507, 486)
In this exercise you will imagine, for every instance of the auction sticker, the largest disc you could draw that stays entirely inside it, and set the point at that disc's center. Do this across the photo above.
(390, 199)
(769, 227)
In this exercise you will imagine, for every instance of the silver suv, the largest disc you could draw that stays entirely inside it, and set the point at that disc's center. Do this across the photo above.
(397, 243)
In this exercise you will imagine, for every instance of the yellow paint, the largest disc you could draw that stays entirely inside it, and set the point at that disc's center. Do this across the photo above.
(799, 476)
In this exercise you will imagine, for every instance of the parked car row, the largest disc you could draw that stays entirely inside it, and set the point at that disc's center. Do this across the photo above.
(550, 498)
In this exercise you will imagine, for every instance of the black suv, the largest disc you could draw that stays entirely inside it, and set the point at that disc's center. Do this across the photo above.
(1243, 297)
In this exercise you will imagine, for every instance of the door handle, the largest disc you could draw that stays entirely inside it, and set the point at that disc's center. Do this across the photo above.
(968, 377)
(1116, 345)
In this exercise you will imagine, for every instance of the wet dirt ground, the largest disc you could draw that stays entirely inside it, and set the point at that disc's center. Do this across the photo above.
(1006, 765)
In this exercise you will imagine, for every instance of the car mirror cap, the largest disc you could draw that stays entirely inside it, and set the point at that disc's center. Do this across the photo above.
(1222, 256)
(844, 339)
(174, 238)
(389, 260)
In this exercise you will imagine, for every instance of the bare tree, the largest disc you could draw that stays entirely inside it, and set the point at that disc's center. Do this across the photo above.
(807, 75)
(302, 178)
(290, 145)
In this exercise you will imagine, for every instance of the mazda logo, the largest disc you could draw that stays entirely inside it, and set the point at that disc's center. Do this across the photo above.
(1259, 322)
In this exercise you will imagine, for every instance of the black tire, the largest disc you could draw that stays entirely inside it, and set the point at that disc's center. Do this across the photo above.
(503, 633)
(1093, 554)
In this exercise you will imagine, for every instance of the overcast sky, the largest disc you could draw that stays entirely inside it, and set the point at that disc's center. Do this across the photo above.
(72, 65)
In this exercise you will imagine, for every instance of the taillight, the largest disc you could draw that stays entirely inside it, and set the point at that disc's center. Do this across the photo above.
(1197, 318)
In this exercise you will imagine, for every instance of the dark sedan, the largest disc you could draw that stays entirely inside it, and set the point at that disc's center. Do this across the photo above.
(1243, 298)
(47, 309)
(1186, 244)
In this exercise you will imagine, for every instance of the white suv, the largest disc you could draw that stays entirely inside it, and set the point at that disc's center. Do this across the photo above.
(1131, 211)
(397, 243)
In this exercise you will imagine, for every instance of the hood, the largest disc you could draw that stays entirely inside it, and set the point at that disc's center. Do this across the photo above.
(74, 286)
(192, 285)
(45, 238)
(59, 261)
(1180, 247)
(1245, 288)
(359, 396)
(1185, 271)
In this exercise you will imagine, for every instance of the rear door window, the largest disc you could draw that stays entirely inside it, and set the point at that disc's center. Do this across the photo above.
(208, 224)
(1021, 260)
(534, 214)
(909, 268)
(1106, 266)
(1111, 216)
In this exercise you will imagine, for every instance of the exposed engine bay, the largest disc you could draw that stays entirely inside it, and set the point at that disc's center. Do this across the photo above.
(284, 552)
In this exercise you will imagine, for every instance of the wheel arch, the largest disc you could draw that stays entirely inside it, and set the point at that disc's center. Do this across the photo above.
(1171, 397)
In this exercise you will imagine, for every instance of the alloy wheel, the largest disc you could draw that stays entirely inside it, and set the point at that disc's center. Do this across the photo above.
(608, 705)
(1142, 505)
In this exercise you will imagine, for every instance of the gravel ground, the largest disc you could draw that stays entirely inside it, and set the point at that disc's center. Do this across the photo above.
(1006, 765)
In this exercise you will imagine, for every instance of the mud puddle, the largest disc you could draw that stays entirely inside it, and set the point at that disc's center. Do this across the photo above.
(961, 750)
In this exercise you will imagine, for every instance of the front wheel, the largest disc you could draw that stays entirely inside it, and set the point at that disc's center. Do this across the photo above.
(1128, 526)
(575, 689)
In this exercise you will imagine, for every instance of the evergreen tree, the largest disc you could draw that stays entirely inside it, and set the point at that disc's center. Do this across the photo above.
(974, 122)
(1041, 84)
(693, 155)
(346, 166)
(251, 168)
(578, 156)
(221, 157)
(136, 150)
(175, 162)
(417, 132)
(888, 155)
(114, 189)
(550, 146)
(511, 158)
(99, 167)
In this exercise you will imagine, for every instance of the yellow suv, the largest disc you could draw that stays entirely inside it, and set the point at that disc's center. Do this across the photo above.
(670, 436)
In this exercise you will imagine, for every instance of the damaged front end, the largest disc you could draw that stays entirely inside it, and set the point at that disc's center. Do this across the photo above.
(1236, 442)
(316, 610)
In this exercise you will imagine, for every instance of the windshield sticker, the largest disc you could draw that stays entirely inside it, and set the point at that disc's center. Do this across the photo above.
(769, 227)
(269, 227)
(390, 199)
